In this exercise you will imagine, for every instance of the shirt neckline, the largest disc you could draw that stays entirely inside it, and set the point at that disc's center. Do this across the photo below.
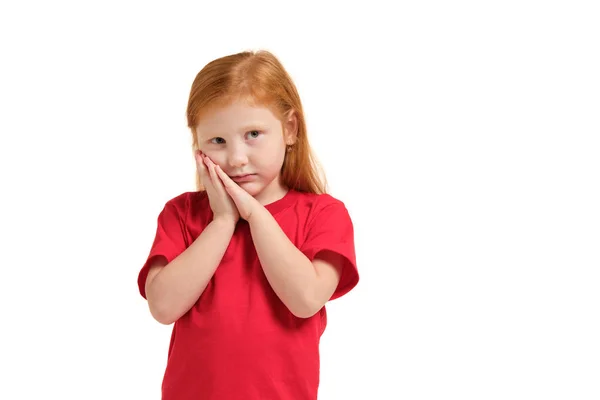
(274, 207)
(282, 203)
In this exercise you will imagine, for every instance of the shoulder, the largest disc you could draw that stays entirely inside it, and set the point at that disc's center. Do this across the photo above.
(317, 206)
(189, 210)
(186, 198)
(187, 203)
(319, 202)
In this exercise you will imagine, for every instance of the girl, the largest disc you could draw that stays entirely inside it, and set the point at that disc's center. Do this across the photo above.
(243, 267)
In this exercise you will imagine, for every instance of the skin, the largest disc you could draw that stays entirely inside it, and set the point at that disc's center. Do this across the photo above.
(242, 139)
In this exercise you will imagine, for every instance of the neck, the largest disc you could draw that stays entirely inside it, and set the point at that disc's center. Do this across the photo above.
(273, 192)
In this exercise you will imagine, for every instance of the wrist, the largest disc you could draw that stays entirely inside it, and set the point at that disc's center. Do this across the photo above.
(257, 214)
(225, 220)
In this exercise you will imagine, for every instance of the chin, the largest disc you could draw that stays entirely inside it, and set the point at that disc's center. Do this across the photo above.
(252, 188)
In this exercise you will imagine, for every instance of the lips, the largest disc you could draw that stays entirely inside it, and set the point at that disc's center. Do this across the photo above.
(243, 178)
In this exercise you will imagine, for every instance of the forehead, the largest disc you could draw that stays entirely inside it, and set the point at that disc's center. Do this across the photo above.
(234, 117)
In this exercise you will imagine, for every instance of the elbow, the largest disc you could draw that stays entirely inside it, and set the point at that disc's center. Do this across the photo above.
(160, 309)
(163, 319)
(305, 309)
(304, 314)
(160, 314)
(307, 305)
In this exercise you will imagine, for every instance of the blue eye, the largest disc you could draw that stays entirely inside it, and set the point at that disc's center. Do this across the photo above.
(217, 140)
(253, 134)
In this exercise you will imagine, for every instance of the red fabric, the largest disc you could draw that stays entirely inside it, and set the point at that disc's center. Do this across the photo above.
(239, 341)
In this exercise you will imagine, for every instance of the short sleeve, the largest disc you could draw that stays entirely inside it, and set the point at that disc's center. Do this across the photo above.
(169, 242)
(332, 230)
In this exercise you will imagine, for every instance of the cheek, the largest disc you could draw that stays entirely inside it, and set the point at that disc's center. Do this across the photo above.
(216, 156)
(275, 161)
(269, 156)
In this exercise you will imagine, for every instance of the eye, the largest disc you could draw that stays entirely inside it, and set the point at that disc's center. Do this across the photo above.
(253, 134)
(217, 140)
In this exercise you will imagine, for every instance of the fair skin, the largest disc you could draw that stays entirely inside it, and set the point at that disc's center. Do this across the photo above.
(241, 139)
(242, 148)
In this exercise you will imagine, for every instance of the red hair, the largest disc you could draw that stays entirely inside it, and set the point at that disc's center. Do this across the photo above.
(260, 78)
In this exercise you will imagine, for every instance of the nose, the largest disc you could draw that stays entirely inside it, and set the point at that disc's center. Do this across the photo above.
(237, 157)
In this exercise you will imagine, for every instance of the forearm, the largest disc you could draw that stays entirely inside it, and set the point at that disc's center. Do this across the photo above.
(289, 272)
(177, 287)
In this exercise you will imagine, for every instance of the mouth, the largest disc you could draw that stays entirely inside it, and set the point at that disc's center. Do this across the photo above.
(243, 178)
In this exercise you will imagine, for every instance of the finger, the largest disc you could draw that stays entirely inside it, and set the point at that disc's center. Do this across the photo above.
(227, 182)
(203, 172)
(233, 189)
(199, 161)
(217, 183)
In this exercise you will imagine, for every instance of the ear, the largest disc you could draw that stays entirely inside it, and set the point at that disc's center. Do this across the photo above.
(290, 127)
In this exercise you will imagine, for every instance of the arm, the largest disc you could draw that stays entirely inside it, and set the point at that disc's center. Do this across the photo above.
(303, 286)
(172, 289)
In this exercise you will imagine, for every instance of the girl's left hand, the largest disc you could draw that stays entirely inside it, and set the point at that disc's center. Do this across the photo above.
(244, 202)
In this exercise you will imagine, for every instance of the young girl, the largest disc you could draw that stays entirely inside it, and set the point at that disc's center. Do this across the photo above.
(243, 267)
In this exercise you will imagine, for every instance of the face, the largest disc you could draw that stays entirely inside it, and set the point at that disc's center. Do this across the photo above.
(249, 144)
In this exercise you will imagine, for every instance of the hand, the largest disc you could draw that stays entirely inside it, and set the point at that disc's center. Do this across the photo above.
(221, 203)
(244, 201)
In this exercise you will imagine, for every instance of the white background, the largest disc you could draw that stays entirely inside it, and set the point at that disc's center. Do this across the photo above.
(462, 136)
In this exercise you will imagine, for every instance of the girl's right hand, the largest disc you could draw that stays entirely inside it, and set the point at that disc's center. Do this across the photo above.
(221, 203)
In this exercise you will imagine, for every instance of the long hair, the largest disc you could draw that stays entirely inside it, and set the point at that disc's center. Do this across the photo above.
(260, 78)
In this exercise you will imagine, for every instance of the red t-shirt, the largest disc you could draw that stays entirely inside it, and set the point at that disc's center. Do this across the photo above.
(239, 341)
